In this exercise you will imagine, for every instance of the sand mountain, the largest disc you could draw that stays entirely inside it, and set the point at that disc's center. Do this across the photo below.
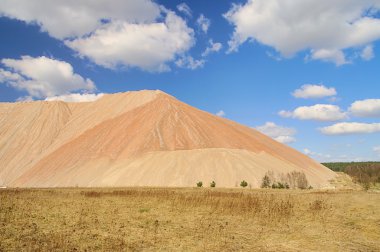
(145, 138)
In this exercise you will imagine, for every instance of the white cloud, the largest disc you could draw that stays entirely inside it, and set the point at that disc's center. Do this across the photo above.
(367, 53)
(42, 77)
(278, 133)
(26, 98)
(285, 139)
(326, 28)
(307, 151)
(366, 108)
(314, 91)
(323, 157)
(348, 128)
(332, 55)
(76, 97)
(7, 76)
(184, 8)
(220, 113)
(316, 155)
(214, 47)
(203, 23)
(318, 112)
(117, 33)
(147, 46)
(376, 149)
(190, 63)
(285, 113)
(63, 19)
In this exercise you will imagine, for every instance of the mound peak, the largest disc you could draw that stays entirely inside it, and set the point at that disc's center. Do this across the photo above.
(145, 138)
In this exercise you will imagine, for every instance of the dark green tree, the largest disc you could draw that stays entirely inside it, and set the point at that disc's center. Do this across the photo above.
(243, 184)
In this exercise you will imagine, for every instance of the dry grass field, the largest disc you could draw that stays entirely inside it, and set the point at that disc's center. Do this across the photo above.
(191, 219)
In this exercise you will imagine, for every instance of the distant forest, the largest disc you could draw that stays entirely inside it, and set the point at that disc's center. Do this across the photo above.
(366, 173)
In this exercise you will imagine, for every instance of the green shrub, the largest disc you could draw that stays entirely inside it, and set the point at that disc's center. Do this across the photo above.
(212, 184)
(243, 184)
(199, 184)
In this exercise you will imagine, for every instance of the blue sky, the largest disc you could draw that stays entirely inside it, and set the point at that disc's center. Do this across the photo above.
(260, 52)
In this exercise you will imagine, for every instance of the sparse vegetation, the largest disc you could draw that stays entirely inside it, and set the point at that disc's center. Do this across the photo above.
(266, 182)
(244, 184)
(199, 184)
(366, 174)
(212, 184)
(138, 219)
(293, 180)
(144, 210)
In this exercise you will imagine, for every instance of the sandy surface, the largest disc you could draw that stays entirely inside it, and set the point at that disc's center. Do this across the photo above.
(137, 138)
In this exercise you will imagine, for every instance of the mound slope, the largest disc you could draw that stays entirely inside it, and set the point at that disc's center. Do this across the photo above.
(145, 138)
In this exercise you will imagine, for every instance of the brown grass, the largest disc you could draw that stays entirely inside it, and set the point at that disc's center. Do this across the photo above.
(154, 219)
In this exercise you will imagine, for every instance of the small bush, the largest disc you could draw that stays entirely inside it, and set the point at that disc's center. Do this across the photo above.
(212, 184)
(243, 184)
(199, 184)
(266, 183)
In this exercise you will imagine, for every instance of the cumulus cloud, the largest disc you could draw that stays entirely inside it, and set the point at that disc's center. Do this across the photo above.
(366, 108)
(326, 28)
(318, 112)
(220, 113)
(278, 133)
(185, 9)
(64, 19)
(333, 55)
(147, 46)
(41, 77)
(9, 77)
(117, 33)
(213, 47)
(190, 63)
(367, 53)
(314, 91)
(348, 128)
(75, 97)
(203, 23)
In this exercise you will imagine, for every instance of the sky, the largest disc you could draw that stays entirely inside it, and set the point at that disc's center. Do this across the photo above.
(305, 72)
